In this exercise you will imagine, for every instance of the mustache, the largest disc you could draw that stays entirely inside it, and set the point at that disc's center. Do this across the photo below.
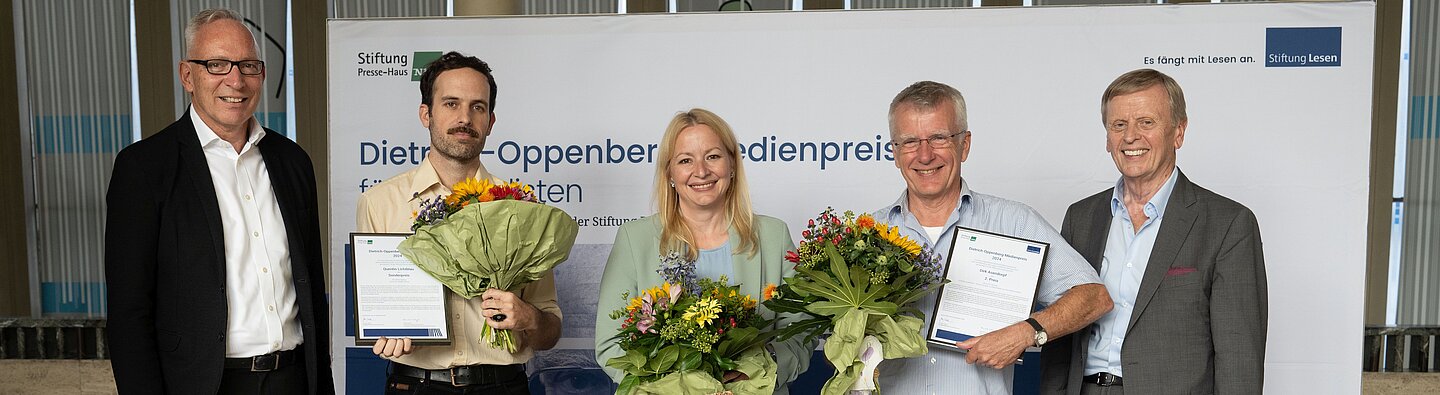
(464, 129)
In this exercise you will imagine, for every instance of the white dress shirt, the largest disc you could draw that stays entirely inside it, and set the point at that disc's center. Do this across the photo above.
(260, 296)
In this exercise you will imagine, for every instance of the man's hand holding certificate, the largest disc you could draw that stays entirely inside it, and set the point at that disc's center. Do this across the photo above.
(992, 287)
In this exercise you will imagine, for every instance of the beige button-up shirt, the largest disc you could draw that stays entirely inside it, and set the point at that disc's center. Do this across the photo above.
(390, 207)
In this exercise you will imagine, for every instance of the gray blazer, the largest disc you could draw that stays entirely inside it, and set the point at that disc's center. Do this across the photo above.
(1198, 325)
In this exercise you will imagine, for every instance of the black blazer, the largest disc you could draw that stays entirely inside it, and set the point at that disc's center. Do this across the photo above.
(165, 263)
(1199, 321)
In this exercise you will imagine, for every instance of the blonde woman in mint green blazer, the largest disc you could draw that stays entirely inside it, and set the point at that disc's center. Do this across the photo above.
(703, 206)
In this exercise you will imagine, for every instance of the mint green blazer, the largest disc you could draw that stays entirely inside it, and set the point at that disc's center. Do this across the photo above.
(632, 268)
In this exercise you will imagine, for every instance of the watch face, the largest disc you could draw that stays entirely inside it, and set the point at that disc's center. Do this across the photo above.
(1040, 338)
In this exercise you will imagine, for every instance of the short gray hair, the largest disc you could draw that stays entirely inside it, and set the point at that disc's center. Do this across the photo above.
(212, 15)
(926, 95)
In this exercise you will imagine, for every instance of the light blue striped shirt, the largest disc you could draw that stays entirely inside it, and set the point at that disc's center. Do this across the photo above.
(1127, 253)
(944, 371)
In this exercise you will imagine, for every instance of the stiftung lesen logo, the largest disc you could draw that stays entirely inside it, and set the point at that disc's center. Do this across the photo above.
(1302, 47)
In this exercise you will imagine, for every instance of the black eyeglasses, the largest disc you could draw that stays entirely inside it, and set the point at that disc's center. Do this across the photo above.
(222, 66)
(936, 141)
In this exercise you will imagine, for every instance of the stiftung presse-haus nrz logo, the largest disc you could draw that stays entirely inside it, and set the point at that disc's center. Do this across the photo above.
(1302, 47)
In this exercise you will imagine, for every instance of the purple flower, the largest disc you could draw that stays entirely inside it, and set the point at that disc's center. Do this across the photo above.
(675, 269)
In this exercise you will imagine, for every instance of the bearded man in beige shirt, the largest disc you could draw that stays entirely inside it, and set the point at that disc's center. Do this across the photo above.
(457, 96)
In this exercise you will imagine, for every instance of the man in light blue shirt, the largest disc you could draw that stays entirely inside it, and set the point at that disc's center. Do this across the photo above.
(931, 138)
(1184, 265)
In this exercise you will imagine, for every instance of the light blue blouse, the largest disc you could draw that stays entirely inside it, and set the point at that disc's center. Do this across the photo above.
(716, 262)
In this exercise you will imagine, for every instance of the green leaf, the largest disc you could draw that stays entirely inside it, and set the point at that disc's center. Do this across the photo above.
(812, 327)
(665, 359)
(627, 385)
(786, 305)
(690, 360)
(632, 362)
(824, 286)
(725, 364)
(837, 266)
(830, 308)
(859, 277)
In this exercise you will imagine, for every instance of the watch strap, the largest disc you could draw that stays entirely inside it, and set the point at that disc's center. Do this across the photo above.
(1035, 324)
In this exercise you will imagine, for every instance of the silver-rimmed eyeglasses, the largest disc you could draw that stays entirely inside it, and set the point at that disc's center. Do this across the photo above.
(941, 140)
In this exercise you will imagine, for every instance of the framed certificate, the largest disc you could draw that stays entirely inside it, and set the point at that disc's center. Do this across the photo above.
(393, 297)
(993, 283)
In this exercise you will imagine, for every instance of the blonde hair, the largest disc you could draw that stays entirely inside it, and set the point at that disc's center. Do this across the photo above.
(675, 235)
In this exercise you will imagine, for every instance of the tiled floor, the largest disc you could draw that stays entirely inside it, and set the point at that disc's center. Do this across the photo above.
(24, 377)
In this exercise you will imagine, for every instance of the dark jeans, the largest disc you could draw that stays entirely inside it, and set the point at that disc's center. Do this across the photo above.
(396, 384)
(288, 379)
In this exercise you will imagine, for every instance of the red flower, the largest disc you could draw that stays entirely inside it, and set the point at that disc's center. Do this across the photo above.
(805, 234)
(792, 256)
(812, 223)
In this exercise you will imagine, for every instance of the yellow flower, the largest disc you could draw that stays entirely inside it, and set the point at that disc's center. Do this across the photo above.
(703, 311)
(748, 302)
(464, 190)
(635, 303)
(769, 291)
(658, 293)
(892, 235)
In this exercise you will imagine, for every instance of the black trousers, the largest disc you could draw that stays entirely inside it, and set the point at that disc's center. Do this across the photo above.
(287, 380)
(396, 384)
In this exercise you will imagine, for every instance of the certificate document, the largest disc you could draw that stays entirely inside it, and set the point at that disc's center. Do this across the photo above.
(993, 283)
(393, 297)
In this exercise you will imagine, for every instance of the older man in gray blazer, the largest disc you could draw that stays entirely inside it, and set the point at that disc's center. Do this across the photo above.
(1183, 265)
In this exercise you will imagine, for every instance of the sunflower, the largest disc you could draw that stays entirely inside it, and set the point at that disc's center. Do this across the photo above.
(769, 292)
(464, 190)
(892, 235)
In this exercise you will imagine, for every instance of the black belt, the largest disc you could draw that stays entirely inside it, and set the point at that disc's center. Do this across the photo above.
(1104, 380)
(263, 363)
(464, 375)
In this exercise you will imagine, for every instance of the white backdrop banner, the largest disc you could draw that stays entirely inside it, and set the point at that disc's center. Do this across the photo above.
(1278, 94)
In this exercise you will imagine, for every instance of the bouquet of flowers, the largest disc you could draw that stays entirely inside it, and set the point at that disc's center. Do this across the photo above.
(682, 336)
(489, 235)
(856, 277)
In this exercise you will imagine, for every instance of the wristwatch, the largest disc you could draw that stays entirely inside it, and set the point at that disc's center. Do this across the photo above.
(1040, 336)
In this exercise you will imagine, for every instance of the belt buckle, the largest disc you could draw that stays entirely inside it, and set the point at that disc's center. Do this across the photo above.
(452, 376)
(1106, 379)
(264, 363)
